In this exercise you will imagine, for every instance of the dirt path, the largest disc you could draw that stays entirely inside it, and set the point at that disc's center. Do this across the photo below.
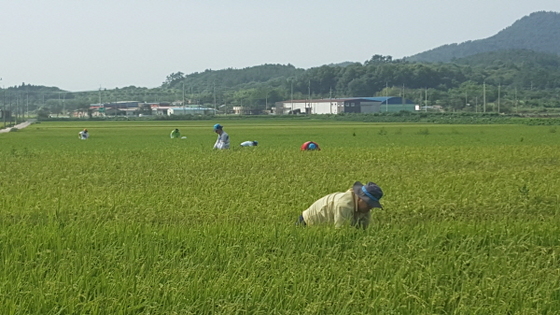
(19, 126)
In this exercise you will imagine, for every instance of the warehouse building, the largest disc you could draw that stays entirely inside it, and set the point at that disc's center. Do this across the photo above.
(364, 105)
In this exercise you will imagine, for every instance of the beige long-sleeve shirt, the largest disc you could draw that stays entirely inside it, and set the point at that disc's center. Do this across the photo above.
(340, 208)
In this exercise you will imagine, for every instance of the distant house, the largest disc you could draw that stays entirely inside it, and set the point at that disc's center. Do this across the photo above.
(79, 113)
(129, 112)
(241, 110)
(364, 105)
(122, 108)
(159, 110)
(191, 110)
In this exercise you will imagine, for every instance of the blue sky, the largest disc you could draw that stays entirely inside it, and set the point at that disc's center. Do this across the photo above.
(87, 45)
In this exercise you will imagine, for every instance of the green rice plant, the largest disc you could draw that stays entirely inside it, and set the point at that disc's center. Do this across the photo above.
(132, 222)
(424, 132)
(382, 131)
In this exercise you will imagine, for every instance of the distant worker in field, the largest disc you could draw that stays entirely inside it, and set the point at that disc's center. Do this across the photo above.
(223, 138)
(249, 143)
(352, 207)
(83, 135)
(309, 146)
(175, 134)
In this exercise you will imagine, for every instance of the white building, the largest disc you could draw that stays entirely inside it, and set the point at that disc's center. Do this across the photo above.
(364, 105)
(322, 106)
(190, 111)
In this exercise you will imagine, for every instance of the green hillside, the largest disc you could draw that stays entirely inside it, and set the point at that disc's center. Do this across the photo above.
(539, 31)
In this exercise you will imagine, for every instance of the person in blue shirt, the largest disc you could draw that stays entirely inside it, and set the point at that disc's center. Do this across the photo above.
(223, 138)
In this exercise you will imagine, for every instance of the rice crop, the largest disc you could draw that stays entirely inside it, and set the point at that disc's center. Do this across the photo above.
(133, 222)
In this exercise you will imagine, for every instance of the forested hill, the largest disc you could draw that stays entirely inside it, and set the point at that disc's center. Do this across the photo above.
(513, 58)
(231, 78)
(539, 31)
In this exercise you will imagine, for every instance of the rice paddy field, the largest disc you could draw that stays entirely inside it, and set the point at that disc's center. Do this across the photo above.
(133, 222)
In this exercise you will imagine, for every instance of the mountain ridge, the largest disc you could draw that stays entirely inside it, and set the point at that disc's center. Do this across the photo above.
(538, 31)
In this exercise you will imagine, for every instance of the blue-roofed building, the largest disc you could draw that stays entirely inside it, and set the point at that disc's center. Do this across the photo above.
(364, 105)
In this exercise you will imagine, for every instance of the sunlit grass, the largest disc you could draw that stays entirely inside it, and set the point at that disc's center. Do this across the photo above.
(131, 221)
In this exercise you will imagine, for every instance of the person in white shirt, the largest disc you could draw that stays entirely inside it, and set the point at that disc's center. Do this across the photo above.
(83, 135)
(223, 138)
(344, 208)
(249, 143)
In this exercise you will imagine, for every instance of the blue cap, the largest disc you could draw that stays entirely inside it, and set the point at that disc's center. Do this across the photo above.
(312, 146)
(370, 193)
(217, 126)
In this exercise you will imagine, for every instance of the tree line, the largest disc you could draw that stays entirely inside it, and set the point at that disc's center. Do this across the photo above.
(503, 81)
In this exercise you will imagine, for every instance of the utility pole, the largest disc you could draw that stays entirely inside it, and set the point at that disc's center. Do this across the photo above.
(308, 96)
(64, 103)
(499, 88)
(10, 109)
(215, 104)
(516, 109)
(4, 105)
(484, 96)
(292, 95)
(386, 97)
(402, 98)
(426, 100)
(476, 104)
(17, 108)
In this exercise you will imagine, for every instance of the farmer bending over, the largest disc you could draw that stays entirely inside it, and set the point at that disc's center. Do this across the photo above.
(310, 146)
(175, 134)
(249, 143)
(83, 134)
(342, 208)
